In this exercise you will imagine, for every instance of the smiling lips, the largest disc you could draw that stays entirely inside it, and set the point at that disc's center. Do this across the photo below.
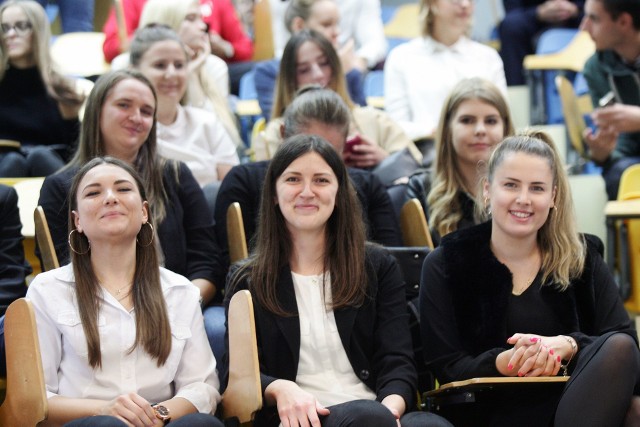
(521, 214)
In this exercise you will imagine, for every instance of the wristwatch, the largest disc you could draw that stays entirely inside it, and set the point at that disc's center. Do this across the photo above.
(162, 413)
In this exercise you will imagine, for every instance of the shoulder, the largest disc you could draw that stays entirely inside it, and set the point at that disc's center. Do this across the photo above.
(407, 48)
(468, 242)
(420, 182)
(53, 285)
(378, 256)
(8, 195)
(479, 49)
(174, 283)
(267, 67)
(60, 179)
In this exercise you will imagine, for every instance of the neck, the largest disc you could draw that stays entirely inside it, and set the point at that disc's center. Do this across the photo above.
(167, 112)
(446, 35)
(630, 51)
(114, 265)
(508, 249)
(22, 63)
(307, 257)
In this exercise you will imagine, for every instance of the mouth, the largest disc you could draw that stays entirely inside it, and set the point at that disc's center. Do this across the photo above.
(306, 207)
(521, 214)
(111, 214)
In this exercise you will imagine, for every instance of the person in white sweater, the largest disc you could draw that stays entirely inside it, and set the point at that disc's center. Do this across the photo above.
(192, 135)
(419, 74)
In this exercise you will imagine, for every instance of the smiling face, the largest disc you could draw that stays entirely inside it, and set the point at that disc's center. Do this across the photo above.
(17, 37)
(520, 195)
(476, 128)
(312, 66)
(192, 30)
(109, 206)
(126, 118)
(306, 193)
(165, 65)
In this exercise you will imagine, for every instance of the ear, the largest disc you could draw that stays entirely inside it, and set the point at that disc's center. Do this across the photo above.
(625, 20)
(553, 196)
(282, 130)
(76, 221)
(485, 188)
(145, 212)
(297, 24)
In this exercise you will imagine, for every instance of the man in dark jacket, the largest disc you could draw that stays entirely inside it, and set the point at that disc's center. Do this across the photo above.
(614, 69)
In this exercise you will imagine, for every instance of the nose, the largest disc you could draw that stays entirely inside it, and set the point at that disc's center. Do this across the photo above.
(135, 116)
(307, 191)
(584, 24)
(480, 128)
(316, 73)
(170, 71)
(110, 196)
(523, 197)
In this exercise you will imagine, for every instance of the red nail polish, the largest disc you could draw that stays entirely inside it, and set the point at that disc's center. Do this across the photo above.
(520, 374)
(510, 366)
(534, 339)
(551, 352)
(559, 359)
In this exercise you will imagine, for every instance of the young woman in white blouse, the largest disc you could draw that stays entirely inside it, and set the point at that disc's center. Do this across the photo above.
(333, 333)
(192, 135)
(419, 74)
(123, 339)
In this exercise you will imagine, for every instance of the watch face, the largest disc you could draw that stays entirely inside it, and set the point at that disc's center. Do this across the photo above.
(162, 412)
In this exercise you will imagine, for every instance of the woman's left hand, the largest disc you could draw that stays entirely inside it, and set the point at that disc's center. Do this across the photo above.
(395, 404)
(198, 54)
(536, 355)
(364, 155)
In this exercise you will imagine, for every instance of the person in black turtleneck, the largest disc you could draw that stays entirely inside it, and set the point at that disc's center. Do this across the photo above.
(38, 107)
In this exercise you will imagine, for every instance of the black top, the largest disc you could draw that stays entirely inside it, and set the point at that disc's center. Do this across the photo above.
(186, 234)
(418, 188)
(29, 115)
(375, 336)
(13, 267)
(243, 184)
(467, 309)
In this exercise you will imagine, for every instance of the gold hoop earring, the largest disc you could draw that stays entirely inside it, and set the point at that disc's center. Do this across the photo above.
(71, 246)
(152, 234)
(486, 205)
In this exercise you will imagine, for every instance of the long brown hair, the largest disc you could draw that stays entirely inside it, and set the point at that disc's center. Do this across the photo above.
(153, 331)
(148, 163)
(445, 210)
(344, 256)
(563, 250)
(287, 83)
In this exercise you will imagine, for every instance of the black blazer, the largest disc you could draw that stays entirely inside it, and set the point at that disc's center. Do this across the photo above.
(375, 336)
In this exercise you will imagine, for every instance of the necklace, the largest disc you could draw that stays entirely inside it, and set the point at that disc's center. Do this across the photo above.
(519, 290)
(120, 295)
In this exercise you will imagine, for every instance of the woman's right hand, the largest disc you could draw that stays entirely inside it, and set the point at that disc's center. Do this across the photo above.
(296, 407)
(132, 409)
(531, 356)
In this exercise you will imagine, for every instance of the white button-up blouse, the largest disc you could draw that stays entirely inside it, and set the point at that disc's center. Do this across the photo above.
(189, 372)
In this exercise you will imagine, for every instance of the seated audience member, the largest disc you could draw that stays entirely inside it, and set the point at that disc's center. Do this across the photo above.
(14, 269)
(120, 122)
(75, 15)
(361, 30)
(419, 74)
(319, 112)
(323, 17)
(333, 331)
(615, 145)
(189, 134)
(524, 21)
(208, 86)
(524, 294)
(475, 118)
(123, 339)
(227, 38)
(309, 58)
(38, 107)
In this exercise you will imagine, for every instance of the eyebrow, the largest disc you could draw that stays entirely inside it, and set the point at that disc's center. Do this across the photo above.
(116, 182)
(534, 182)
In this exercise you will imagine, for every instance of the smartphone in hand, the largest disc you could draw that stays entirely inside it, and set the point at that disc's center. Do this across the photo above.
(351, 142)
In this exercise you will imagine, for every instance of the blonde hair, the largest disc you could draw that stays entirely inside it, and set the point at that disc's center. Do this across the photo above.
(563, 250)
(445, 211)
(173, 13)
(57, 86)
(426, 16)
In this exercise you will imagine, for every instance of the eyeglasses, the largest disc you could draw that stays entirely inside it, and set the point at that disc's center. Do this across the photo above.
(20, 27)
(459, 2)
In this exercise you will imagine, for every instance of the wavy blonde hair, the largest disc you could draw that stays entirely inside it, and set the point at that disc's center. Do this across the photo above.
(562, 248)
(445, 211)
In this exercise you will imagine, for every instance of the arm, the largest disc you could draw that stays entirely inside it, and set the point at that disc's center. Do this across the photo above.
(265, 81)
(367, 31)
(383, 225)
(13, 266)
(230, 30)
(132, 11)
(444, 350)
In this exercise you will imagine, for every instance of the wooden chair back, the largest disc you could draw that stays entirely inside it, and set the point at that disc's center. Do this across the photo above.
(573, 116)
(263, 47)
(243, 396)
(45, 242)
(26, 401)
(413, 222)
(235, 233)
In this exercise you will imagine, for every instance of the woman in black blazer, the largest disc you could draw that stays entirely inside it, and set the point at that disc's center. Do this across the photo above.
(330, 310)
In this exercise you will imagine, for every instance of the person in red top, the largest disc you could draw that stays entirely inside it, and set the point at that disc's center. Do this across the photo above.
(228, 39)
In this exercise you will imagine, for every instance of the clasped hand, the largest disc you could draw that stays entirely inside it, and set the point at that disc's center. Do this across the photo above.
(532, 356)
(296, 407)
(132, 409)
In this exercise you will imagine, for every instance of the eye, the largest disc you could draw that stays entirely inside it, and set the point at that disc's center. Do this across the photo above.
(178, 65)
(124, 189)
(123, 104)
(291, 179)
(322, 180)
(467, 120)
(538, 188)
(147, 112)
(303, 70)
(491, 121)
(510, 184)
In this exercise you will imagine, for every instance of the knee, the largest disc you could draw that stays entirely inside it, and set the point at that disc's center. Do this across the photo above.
(424, 419)
(43, 161)
(371, 413)
(13, 164)
(633, 413)
(625, 349)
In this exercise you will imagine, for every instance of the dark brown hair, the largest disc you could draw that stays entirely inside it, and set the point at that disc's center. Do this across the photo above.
(153, 331)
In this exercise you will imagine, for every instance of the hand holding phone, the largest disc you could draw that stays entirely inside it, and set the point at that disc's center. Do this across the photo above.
(351, 142)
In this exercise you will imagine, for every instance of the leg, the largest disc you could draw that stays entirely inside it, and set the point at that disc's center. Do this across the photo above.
(13, 164)
(423, 419)
(43, 161)
(516, 34)
(97, 421)
(614, 173)
(214, 319)
(76, 15)
(601, 384)
(358, 413)
(210, 194)
(197, 420)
